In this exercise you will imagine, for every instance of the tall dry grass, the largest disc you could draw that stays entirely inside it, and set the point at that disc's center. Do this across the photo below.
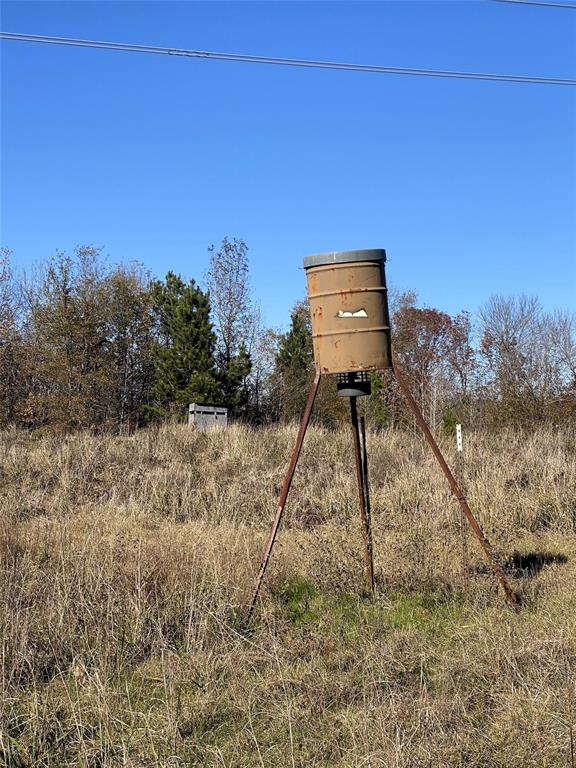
(126, 562)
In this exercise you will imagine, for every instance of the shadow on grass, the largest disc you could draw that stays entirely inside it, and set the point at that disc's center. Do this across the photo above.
(527, 565)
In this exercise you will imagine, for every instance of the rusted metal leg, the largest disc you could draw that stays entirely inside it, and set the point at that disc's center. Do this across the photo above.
(365, 470)
(484, 543)
(284, 492)
(362, 477)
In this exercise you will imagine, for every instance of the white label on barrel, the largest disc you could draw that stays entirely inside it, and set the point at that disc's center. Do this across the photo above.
(459, 438)
(347, 313)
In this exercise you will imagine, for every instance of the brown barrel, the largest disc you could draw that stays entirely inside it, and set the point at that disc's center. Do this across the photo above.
(349, 310)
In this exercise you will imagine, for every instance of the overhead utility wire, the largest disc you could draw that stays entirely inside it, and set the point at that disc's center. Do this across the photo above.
(213, 55)
(572, 6)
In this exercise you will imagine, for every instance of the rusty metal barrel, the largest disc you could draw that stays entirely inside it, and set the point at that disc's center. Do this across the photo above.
(349, 310)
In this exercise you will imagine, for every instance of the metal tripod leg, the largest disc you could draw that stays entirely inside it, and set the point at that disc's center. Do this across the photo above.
(284, 493)
(365, 469)
(362, 478)
(484, 543)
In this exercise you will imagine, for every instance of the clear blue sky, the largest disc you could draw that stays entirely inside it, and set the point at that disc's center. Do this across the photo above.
(470, 186)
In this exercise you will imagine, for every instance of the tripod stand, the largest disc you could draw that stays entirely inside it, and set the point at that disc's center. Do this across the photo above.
(361, 463)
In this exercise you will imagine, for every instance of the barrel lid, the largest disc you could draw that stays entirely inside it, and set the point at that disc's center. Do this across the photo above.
(342, 257)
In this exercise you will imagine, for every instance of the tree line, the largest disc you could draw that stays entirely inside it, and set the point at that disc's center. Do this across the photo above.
(88, 345)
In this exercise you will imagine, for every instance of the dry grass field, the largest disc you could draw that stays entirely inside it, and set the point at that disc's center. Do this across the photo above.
(125, 563)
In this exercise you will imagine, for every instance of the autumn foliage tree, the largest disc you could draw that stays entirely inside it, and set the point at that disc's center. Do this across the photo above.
(130, 334)
(88, 345)
(434, 352)
(66, 331)
(88, 336)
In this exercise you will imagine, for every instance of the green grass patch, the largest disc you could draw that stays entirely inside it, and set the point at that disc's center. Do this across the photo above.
(301, 598)
(424, 611)
(429, 613)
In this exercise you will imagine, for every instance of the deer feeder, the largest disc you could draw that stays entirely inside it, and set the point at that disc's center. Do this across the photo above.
(352, 338)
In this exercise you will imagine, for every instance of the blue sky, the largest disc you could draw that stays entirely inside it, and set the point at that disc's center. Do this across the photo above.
(470, 186)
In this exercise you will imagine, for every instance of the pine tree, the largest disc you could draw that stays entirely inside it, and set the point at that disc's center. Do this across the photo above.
(294, 364)
(295, 351)
(185, 366)
(234, 381)
(295, 371)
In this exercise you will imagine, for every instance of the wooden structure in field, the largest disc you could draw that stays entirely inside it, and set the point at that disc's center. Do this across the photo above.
(205, 417)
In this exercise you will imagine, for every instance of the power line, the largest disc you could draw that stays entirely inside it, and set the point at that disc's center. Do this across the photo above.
(572, 6)
(308, 63)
